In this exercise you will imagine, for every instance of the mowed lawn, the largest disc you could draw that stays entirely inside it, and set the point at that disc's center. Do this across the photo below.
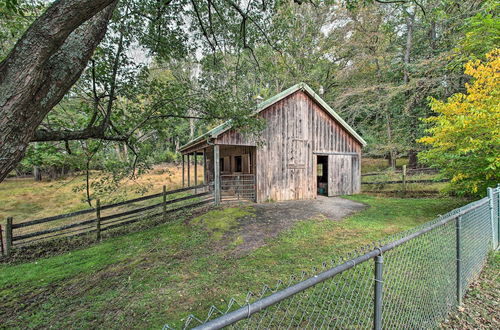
(160, 275)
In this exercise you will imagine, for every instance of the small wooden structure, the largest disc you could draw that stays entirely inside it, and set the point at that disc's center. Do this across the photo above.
(306, 149)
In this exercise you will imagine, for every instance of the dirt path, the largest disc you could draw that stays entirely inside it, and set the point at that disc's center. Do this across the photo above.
(270, 219)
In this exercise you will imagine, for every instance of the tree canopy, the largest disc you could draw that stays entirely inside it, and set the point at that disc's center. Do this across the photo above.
(119, 85)
(465, 136)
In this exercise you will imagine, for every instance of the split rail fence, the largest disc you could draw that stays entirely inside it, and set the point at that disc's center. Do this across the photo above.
(104, 217)
(406, 178)
(411, 280)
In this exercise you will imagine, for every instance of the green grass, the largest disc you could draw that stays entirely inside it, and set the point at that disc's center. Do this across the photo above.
(218, 222)
(145, 279)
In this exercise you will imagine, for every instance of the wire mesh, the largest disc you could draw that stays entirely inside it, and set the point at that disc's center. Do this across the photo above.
(420, 282)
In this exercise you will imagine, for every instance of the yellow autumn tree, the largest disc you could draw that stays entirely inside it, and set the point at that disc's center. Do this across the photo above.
(464, 137)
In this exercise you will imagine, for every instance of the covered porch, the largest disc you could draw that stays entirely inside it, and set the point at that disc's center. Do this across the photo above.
(229, 170)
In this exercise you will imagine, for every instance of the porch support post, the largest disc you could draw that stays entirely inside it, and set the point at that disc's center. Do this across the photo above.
(205, 166)
(189, 171)
(183, 174)
(216, 175)
(195, 169)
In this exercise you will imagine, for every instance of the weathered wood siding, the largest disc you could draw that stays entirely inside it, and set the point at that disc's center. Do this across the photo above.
(297, 129)
(346, 175)
(233, 137)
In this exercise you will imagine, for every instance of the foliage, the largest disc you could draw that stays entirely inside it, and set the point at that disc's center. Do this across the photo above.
(168, 71)
(482, 33)
(465, 137)
(15, 17)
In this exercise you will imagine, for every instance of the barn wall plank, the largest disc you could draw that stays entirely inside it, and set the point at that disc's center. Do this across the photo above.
(285, 165)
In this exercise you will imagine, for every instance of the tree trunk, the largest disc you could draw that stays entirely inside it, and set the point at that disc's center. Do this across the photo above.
(392, 152)
(409, 41)
(412, 159)
(42, 67)
(37, 174)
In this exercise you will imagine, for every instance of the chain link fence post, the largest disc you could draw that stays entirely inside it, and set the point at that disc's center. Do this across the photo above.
(491, 199)
(377, 317)
(458, 226)
(498, 216)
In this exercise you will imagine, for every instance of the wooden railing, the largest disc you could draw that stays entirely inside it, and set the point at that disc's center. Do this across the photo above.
(403, 178)
(105, 217)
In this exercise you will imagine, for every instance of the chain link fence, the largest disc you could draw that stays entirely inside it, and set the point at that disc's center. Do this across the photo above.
(409, 280)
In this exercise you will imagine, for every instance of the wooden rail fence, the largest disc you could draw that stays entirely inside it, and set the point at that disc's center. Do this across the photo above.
(405, 173)
(24, 233)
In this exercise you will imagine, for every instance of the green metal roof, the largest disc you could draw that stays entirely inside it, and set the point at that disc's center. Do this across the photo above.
(215, 132)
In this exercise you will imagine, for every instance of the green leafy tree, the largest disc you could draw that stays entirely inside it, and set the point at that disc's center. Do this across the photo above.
(465, 136)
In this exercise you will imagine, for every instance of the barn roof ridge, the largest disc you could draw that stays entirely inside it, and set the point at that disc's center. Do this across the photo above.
(216, 131)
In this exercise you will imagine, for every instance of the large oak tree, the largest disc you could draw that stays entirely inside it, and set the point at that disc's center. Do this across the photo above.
(42, 67)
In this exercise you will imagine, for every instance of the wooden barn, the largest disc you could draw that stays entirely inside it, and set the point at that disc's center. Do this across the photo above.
(306, 149)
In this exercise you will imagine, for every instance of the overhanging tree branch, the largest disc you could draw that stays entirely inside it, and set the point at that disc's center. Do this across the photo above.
(34, 80)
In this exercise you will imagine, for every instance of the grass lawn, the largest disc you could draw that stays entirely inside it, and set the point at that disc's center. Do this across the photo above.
(148, 278)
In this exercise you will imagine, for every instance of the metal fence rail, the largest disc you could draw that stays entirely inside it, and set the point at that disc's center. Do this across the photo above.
(237, 187)
(409, 280)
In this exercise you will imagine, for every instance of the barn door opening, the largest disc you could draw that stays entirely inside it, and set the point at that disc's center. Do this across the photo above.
(322, 175)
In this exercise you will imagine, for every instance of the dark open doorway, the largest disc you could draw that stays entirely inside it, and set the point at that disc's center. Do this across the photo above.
(322, 175)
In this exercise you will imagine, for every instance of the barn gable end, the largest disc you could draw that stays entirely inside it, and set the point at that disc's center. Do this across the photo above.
(302, 134)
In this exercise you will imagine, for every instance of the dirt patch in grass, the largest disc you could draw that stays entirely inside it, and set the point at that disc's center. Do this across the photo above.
(247, 227)
(481, 305)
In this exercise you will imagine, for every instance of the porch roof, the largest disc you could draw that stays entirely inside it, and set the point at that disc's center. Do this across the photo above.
(218, 130)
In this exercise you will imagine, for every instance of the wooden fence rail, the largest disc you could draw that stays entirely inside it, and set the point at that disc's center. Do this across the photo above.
(404, 173)
(407, 181)
(408, 171)
(104, 207)
(99, 223)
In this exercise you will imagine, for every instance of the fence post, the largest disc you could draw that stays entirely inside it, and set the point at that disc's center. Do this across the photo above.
(498, 216)
(98, 216)
(404, 179)
(1, 240)
(164, 203)
(492, 217)
(8, 237)
(377, 310)
(458, 239)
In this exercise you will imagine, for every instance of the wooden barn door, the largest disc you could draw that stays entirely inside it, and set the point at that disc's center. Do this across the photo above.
(343, 175)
